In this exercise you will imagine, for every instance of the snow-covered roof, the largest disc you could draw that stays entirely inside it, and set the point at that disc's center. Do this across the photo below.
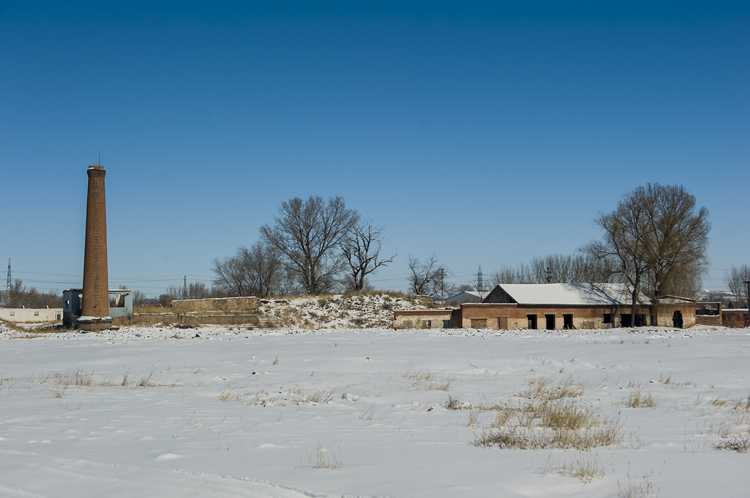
(571, 294)
(467, 296)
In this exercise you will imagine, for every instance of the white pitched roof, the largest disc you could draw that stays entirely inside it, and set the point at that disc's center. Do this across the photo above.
(571, 294)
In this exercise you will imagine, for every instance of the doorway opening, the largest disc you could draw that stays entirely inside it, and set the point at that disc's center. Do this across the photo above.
(677, 319)
(568, 321)
(532, 322)
(550, 322)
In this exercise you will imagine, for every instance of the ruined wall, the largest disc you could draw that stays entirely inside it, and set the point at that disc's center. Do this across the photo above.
(708, 320)
(422, 319)
(735, 318)
(222, 304)
(664, 314)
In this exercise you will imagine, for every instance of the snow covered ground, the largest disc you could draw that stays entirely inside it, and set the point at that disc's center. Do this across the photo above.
(229, 412)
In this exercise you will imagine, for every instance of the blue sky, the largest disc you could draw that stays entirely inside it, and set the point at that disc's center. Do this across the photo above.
(484, 134)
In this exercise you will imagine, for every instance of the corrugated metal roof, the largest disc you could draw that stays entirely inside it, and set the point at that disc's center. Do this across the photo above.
(571, 294)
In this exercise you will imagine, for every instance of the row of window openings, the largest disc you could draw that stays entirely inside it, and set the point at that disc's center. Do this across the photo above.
(36, 313)
(549, 321)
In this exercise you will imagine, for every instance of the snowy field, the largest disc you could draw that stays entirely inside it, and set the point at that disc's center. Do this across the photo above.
(234, 413)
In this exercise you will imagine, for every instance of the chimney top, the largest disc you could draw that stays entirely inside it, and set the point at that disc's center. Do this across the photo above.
(96, 167)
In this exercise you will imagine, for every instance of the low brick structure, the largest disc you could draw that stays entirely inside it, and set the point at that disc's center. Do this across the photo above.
(736, 318)
(209, 311)
(247, 304)
(560, 306)
(424, 319)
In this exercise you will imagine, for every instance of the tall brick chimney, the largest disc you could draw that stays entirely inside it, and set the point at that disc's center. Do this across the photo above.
(95, 312)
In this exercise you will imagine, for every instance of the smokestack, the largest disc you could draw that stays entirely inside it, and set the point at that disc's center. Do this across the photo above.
(95, 312)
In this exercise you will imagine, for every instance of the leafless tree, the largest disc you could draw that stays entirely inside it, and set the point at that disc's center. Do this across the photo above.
(677, 237)
(361, 249)
(558, 268)
(309, 233)
(139, 298)
(736, 281)
(256, 271)
(29, 297)
(626, 232)
(425, 277)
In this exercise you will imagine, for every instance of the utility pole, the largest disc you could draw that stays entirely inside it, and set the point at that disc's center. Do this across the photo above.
(8, 283)
(480, 280)
(747, 315)
(184, 287)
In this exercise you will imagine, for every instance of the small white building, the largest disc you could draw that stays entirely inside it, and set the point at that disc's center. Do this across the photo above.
(31, 315)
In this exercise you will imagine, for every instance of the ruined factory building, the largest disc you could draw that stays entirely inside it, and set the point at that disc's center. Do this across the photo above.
(562, 306)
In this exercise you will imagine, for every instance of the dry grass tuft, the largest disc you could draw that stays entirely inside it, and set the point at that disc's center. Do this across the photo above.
(641, 488)
(146, 381)
(519, 437)
(427, 381)
(743, 405)
(639, 400)
(548, 424)
(585, 468)
(540, 389)
(322, 458)
(230, 396)
(735, 442)
(549, 417)
(735, 435)
(77, 378)
(293, 396)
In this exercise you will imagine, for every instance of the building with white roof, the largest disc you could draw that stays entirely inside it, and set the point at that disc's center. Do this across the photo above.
(573, 305)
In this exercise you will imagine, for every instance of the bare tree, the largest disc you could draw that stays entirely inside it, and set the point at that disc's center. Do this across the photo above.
(423, 276)
(557, 268)
(736, 281)
(677, 237)
(139, 298)
(256, 271)
(309, 233)
(361, 249)
(30, 297)
(626, 232)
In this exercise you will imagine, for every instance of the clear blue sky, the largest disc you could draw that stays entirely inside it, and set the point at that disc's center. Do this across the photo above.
(485, 134)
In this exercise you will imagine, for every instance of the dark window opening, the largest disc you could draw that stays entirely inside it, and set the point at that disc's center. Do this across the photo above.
(626, 320)
(550, 322)
(532, 321)
(426, 324)
(568, 321)
(640, 320)
(607, 318)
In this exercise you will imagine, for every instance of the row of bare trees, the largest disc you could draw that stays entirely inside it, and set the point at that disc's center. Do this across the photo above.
(314, 245)
(655, 241)
(567, 268)
(20, 296)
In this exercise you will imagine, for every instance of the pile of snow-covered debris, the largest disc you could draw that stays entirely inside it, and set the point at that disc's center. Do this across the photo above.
(338, 310)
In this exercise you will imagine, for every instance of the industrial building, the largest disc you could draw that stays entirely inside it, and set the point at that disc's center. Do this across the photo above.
(563, 306)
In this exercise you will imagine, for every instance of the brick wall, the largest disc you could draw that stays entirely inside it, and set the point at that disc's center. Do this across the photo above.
(224, 304)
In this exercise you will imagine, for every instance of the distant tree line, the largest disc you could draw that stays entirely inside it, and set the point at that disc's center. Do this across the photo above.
(21, 296)
(313, 246)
